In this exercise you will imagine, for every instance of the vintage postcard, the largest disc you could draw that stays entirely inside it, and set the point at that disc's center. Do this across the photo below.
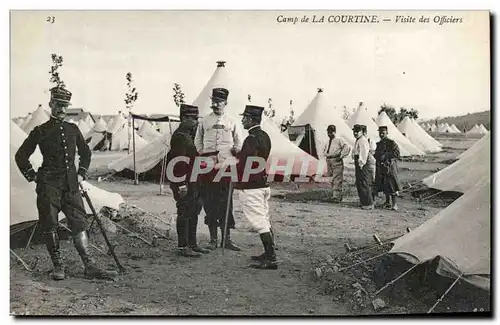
(242, 163)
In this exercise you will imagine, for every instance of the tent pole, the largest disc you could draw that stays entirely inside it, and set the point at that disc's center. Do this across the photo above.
(444, 294)
(130, 232)
(136, 179)
(362, 262)
(31, 236)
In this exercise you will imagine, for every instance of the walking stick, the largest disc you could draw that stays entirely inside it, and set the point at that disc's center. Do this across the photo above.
(228, 206)
(96, 218)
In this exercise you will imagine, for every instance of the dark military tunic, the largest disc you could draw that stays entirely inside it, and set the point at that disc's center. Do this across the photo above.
(386, 176)
(57, 178)
(257, 144)
(189, 206)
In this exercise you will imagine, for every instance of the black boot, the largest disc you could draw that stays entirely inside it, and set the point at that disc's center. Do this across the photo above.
(52, 243)
(81, 242)
(229, 244)
(262, 256)
(192, 227)
(212, 245)
(269, 262)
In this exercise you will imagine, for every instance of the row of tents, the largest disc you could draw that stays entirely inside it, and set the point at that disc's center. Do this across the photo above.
(459, 235)
(446, 128)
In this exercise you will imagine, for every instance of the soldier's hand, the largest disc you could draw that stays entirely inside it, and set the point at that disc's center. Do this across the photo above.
(183, 190)
(234, 152)
(80, 178)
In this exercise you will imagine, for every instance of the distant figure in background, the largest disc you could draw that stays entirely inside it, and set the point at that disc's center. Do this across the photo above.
(373, 146)
(386, 178)
(335, 152)
(363, 162)
(186, 193)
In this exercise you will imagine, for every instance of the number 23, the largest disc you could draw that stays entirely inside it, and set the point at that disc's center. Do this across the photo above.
(51, 19)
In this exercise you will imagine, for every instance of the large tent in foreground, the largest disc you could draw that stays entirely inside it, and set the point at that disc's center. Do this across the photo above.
(463, 174)
(458, 235)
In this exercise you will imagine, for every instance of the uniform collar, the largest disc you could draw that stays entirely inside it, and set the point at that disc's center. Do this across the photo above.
(55, 120)
(255, 127)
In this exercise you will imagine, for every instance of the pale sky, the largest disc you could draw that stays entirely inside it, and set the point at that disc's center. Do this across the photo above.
(446, 68)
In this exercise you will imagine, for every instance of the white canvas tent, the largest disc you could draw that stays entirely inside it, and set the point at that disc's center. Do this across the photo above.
(485, 130)
(426, 135)
(413, 133)
(89, 121)
(97, 133)
(319, 114)
(147, 132)
(477, 148)
(84, 128)
(38, 117)
(455, 129)
(362, 117)
(23, 195)
(26, 121)
(406, 147)
(459, 235)
(463, 174)
(476, 130)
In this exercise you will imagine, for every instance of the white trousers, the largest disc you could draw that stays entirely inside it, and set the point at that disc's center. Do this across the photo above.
(255, 206)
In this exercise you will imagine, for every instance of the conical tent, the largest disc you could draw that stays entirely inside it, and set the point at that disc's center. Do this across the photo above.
(147, 132)
(412, 133)
(97, 134)
(459, 235)
(426, 135)
(219, 78)
(89, 121)
(23, 194)
(485, 130)
(120, 139)
(406, 148)
(463, 174)
(314, 121)
(362, 117)
(282, 149)
(38, 117)
(26, 121)
(474, 129)
(84, 128)
(433, 128)
(454, 128)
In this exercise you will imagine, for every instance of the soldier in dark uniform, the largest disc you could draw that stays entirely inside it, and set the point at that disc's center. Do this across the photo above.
(386, 176)
(57, 182)
(186, 193)
(253, 188)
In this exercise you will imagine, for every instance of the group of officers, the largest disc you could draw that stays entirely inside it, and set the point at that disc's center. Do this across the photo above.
(218, 137)
(375, 164)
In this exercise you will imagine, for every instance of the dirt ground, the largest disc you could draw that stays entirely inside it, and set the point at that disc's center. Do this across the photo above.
(309, 229)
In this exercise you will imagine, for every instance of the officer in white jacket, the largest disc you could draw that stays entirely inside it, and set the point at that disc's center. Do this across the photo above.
(219, 136)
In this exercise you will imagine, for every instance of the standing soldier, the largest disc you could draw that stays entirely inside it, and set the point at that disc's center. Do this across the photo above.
(186, 193)
(373, 146)
(363, 162)
(218, 136)
(335, 152)
(254, 190)
(57, 182)
(386, 179)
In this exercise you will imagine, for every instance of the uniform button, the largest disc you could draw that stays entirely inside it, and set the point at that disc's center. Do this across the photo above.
(61, 127)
